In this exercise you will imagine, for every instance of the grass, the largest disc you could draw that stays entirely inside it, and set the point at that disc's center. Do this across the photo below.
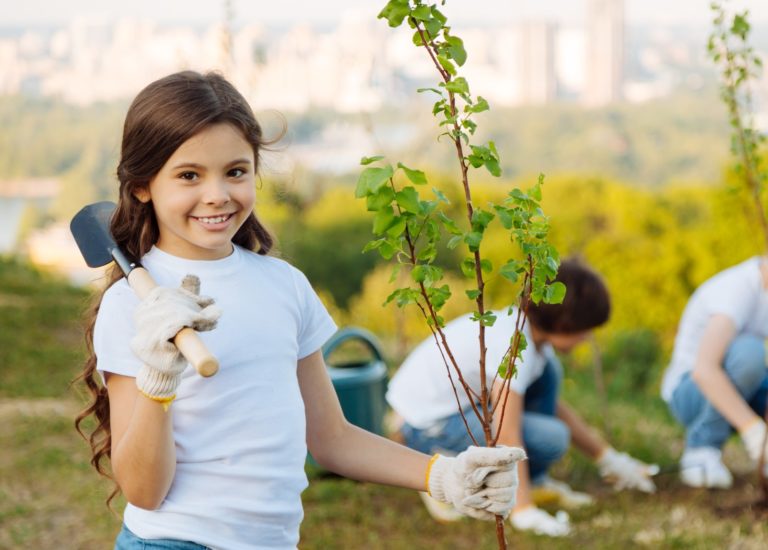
(50, 497)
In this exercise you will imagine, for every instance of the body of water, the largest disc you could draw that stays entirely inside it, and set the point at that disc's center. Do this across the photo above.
(11, 211)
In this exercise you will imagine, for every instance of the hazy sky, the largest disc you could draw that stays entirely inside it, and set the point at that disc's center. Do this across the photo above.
(45, 12)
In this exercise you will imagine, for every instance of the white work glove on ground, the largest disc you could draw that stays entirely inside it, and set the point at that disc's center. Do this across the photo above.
(540, 522)
(625, 472)
(480, 482)
(753, 438)
(158, 318)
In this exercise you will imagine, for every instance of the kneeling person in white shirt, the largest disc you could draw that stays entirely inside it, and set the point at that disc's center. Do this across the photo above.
(535, 417)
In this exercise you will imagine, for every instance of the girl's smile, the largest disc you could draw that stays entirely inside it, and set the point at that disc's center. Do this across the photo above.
(203, 193)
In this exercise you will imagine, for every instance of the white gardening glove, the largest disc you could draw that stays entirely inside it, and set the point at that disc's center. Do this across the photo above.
(158, 318)
(753, 438)
(625, 472)
(540, 522)
(480, 482)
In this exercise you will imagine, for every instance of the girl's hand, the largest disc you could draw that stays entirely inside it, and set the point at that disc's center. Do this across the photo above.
(625, 472)
(158, 318)
(754, 439)
(480, 482)
(540, 522)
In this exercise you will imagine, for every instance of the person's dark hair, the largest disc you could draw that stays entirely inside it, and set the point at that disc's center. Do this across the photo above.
(587, 304)
(161, 118)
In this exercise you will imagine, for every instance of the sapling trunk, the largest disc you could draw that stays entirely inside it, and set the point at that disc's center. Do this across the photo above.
(728, 46)
(410, 228)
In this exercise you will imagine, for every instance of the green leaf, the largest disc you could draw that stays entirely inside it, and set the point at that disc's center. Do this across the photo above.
(395, 12)
(510, 271)
(555, 293)
(473, 240)
(416, 176)
(493, 167)
(468, 267)
(408, 199)
(456, 49)
(438, 16)
(417, 39)
(427, 254)
(740, 26)
(505, 216)
(453, 242)
(397, 227)
(383, 220)
(422, 13)
(438, 92)
(487, 319)
(434, 25)
(373, 245)
(458, 85)
(478, 107)
(449, 224)
(472, 294)
(395, 272)
(368, 160)
(446, 64)
(388, 250)
(486, 266)
(440, 195)
(383, 197)
(371, 179)
(481, 218)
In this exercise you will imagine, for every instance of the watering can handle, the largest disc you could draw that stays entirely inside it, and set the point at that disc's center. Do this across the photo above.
(353, 333)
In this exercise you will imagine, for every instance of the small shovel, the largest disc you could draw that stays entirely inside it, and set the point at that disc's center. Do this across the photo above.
(90, 227)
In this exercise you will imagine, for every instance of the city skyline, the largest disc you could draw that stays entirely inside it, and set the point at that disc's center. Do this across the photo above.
(33, 13)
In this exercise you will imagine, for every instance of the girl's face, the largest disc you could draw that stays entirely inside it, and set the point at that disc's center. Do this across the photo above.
(203, 193)
(565, 342)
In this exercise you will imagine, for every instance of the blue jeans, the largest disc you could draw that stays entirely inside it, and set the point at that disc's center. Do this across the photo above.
(546, 437)
(744, 364)
(126, 540)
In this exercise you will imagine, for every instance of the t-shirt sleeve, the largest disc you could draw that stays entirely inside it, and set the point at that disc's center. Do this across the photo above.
(316, 324)
(733, 294)
(114, 330)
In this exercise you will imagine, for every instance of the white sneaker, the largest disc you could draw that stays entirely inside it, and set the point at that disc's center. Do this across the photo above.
(439, 510)
(558, 493)
(703, 467)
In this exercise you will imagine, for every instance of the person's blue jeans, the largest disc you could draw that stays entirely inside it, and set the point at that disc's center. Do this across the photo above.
(744, 364)
(546, 437)
(127, 540)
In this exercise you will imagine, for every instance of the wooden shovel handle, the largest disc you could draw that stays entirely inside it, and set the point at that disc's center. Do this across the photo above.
(187, 340)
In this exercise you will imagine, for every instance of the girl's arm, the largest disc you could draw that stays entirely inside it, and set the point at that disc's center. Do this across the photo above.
(349, 450)
(709, 375)
(143, 451)
(583, 436)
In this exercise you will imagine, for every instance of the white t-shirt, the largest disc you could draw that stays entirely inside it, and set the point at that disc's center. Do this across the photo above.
(240, 435)
(736, 292)
(421, 391)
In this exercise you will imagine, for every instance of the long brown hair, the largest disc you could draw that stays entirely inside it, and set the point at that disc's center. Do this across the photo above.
(161, 118)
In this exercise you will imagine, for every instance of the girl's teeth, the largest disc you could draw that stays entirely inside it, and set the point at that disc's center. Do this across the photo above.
(217, 219)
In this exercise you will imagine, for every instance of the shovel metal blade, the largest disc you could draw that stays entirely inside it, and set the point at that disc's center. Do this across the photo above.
(90, 227)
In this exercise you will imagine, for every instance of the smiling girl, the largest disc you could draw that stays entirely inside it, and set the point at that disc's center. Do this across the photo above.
(219, 462)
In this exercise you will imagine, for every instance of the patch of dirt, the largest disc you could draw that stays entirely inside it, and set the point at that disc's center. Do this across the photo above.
(13, 300)
(37, 407)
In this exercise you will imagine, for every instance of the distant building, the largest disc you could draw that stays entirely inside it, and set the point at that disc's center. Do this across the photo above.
(537, 51)
(605, 52)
